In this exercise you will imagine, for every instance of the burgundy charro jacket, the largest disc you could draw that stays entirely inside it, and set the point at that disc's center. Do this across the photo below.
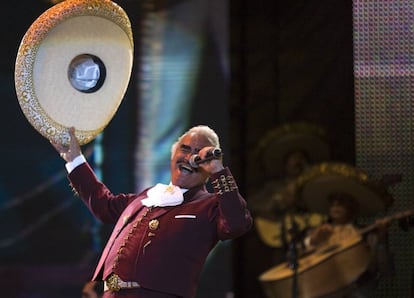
(163, 249)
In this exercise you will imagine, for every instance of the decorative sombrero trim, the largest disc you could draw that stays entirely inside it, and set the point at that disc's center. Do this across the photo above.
(350, 174)
(27, 55)
(333, 168)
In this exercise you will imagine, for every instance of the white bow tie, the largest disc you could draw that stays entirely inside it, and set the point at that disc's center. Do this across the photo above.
(162, 195)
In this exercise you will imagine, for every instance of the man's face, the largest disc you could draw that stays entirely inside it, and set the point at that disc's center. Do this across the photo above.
(182, 174)
(296, 162)
(339, 212)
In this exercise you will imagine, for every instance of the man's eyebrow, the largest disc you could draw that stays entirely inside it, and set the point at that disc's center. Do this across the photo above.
(186, 147)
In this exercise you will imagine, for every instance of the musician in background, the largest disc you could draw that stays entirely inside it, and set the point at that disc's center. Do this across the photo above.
(341, 225)
(281, 155)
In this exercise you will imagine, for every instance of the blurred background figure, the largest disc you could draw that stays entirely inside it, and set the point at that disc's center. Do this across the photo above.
(342, 228)
(282, 154)
(350, 257)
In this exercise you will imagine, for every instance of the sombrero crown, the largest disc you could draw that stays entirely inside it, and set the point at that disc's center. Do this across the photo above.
(305, 137)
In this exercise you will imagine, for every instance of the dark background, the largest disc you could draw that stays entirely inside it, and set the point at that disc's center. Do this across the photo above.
(290, 60)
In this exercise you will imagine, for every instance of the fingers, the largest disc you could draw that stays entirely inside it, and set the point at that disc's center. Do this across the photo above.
(212, 164)
(57, 146)
(70, 151)
(72, 132)
(62, 150)
(74, 144)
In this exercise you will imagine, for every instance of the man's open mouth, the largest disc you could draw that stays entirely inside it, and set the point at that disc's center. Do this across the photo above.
(184, 167)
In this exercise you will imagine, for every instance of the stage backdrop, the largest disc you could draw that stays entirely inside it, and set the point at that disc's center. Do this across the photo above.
(383, 51)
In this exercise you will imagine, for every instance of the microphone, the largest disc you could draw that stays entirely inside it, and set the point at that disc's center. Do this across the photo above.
(195, 159)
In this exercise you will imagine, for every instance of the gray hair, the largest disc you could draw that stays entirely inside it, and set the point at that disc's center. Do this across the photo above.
(204, 130)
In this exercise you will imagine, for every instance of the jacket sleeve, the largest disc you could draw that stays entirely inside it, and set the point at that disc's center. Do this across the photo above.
(234, 219)
(103, 204)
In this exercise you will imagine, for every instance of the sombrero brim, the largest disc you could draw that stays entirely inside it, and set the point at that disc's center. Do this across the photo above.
(318, 182)
(65, 31)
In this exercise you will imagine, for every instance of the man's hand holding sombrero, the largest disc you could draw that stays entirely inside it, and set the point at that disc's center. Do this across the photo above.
(70, 151)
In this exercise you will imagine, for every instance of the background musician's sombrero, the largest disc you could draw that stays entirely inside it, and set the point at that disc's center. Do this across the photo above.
(318, 182)
(276, 144)
(73, 67)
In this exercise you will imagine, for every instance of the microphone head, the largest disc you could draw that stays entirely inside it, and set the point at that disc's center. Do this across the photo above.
(194, 160)
(216, 152)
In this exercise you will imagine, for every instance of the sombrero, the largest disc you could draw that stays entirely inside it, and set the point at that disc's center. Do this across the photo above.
(73, 68)
(277, 143)
(318, 182)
